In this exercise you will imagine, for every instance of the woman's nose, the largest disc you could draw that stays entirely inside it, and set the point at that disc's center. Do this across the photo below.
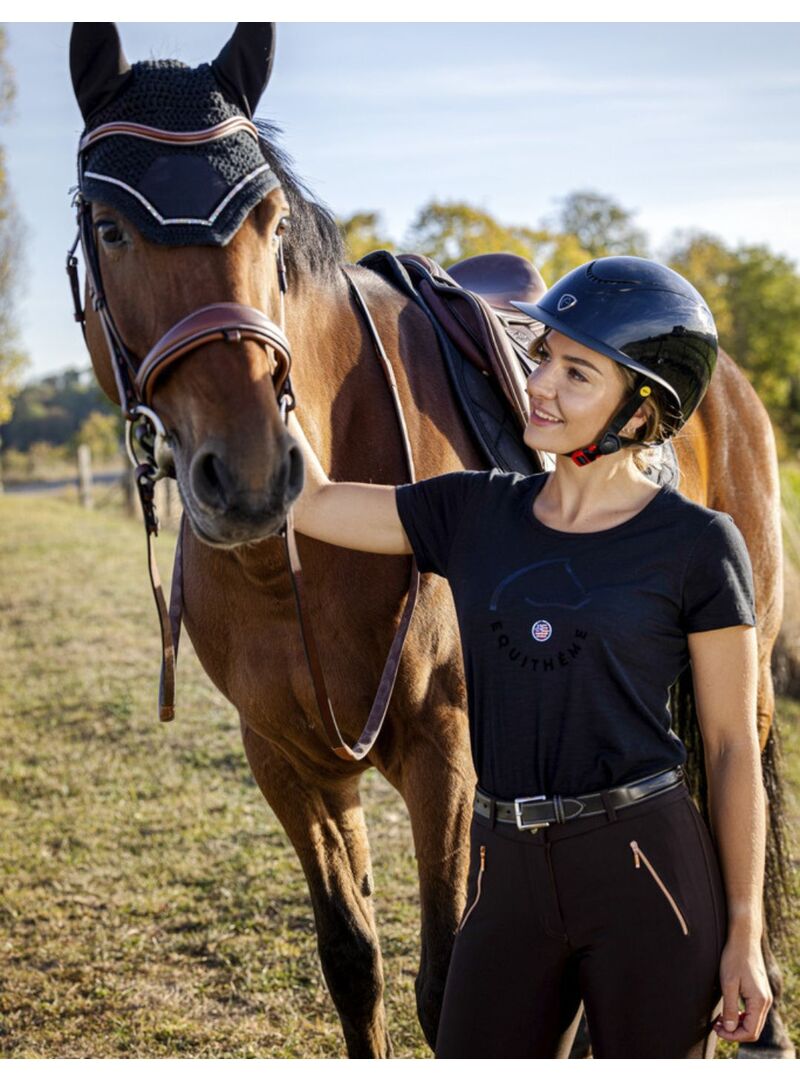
(540, 382)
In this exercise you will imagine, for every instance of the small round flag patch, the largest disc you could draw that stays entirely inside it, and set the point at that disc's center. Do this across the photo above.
(541, 630)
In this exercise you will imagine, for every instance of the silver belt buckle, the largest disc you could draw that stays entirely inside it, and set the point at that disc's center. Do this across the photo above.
(518, 804)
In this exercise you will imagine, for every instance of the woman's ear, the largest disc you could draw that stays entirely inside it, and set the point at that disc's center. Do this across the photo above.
(633, 428)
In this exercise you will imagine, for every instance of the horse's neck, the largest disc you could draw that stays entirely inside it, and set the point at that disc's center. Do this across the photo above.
(336, 374)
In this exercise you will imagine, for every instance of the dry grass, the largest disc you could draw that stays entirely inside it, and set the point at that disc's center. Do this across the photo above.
(151, 905)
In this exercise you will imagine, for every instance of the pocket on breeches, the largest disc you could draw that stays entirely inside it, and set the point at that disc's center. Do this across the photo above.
(476, 896)
(642, 862)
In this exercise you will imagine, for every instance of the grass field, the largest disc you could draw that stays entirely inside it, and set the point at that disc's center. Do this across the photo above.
(150, 904)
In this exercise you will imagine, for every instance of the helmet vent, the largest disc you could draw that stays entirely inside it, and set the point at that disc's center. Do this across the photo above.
(607, 280)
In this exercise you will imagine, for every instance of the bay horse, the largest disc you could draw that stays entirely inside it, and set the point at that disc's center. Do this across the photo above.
(239, 470)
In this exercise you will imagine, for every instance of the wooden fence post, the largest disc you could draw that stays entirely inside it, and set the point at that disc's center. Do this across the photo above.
(85, 493)
(130, 497)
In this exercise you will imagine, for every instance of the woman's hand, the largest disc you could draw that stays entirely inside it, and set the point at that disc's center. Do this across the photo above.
(742, 976)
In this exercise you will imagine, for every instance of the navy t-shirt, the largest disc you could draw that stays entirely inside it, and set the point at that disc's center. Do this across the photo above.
(571, 641)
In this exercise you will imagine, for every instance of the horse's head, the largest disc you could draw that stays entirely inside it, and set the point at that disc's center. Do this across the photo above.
(182, 215)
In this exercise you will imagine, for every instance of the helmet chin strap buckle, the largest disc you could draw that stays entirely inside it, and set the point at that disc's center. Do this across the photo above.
(611, 441)
(586, 455)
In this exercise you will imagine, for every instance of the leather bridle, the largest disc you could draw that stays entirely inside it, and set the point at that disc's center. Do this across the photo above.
(135, 381)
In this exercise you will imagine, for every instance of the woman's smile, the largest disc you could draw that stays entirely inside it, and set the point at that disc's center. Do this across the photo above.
(542, 418)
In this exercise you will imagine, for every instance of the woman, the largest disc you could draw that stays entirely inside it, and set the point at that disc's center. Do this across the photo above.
(581, 594)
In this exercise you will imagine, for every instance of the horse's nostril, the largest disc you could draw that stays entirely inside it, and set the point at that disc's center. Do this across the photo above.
(210, 480)
(296, 473)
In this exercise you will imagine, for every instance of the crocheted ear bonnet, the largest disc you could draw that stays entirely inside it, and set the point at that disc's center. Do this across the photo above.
(175, 194)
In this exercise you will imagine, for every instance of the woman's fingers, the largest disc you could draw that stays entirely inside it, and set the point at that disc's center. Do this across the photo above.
(729, 1028)
(730, 1017)
(745, 1025)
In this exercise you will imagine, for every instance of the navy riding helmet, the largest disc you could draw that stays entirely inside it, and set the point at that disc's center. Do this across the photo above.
(647, 318)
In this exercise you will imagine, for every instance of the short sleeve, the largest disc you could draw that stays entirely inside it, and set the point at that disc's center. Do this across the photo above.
(718, 587)
(431, 512)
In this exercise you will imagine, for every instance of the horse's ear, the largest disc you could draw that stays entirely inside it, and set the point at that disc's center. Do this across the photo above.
(97, 64)
(244, 65)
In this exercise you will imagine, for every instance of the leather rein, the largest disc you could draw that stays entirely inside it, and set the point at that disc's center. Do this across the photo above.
(136, 380)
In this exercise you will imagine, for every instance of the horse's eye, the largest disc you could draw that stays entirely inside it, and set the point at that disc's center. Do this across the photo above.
(283, 225)
(110, 233)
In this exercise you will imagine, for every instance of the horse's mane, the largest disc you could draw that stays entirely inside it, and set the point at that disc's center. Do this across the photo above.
(313, 243)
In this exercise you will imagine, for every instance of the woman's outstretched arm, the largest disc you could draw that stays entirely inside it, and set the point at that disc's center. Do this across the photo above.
(359, 516)
(725, 674)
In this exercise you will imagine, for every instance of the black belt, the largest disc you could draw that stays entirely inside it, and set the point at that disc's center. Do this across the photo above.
(537, 811)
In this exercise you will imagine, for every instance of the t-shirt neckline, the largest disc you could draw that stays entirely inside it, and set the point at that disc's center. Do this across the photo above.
(533, 490)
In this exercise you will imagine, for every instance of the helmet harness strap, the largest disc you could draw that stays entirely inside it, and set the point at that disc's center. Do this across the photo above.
(611, 441)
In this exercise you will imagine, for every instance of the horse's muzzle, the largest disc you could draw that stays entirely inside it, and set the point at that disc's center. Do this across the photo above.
(226, 509)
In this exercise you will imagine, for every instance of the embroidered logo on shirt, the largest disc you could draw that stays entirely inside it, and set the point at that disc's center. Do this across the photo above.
(543, 586)
(553, 583)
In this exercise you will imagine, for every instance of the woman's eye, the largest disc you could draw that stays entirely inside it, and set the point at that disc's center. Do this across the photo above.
(575, 374)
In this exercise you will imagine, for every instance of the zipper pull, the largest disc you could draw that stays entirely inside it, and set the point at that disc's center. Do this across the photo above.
(483, 857)
(635, 850)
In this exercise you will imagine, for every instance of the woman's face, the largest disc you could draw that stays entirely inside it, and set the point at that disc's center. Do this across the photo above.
(574, 392)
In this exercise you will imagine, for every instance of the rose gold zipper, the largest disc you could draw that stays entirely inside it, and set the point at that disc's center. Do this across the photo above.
(472, 906)
(639, 857)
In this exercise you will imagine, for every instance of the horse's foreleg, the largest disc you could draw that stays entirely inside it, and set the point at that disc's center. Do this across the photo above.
(437, 784)
(325, 823)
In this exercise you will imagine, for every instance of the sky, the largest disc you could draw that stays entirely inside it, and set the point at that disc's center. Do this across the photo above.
(689, 125)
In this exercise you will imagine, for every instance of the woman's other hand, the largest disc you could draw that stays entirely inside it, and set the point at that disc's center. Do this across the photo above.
(742, 977)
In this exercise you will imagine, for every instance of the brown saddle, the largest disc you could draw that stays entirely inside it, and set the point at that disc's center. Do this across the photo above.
(500, 278)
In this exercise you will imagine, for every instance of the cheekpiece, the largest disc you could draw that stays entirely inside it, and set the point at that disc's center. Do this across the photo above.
(173, 155)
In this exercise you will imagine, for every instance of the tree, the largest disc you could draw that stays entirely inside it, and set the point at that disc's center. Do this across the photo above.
(449, 232)
(363, 232)
(102, 433)
(764, 297)
(12, 358)
(707, 262)
(600, 225)
(52, 409)
(552, 253)
(754, 296)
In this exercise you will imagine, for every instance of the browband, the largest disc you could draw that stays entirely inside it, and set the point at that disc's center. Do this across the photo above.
(178, 138)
